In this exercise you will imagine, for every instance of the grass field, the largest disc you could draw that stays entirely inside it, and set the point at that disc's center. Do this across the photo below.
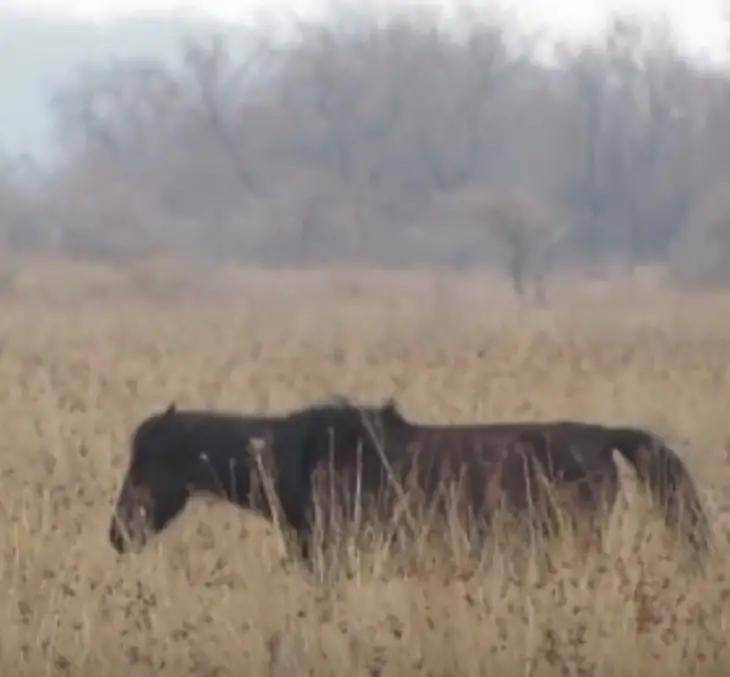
(80, 363)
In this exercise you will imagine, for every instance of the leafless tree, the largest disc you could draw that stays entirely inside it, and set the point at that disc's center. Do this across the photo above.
(395, 140)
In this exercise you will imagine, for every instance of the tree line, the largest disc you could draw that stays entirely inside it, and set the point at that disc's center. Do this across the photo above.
(392, 142)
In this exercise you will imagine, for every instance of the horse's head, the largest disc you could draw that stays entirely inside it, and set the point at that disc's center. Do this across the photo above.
(156, 486)
(175, 454)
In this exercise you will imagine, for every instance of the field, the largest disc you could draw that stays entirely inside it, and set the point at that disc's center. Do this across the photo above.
(84, 355)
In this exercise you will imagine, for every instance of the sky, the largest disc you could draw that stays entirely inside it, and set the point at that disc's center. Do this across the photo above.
(698, 23)
(25, 125)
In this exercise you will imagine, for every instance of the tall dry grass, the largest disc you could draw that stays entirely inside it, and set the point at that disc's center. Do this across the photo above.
(81, 362)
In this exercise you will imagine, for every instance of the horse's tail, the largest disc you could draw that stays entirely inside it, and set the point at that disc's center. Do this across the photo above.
(661, 470)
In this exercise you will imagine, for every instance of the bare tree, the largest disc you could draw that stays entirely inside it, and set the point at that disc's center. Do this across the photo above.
(521, 228)
(394, 139)
(632, 124)
(219, 88)
(121, 110)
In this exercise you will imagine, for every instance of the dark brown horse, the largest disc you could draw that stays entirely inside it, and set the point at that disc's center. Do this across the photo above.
(177, 454)
(370, 450)
(541, 468)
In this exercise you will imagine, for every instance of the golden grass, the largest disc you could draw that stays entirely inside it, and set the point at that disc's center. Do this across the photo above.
(211, 597)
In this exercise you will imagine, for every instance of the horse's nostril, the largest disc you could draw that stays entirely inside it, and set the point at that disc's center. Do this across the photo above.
(125, 539)
(116, 541)
(116, 538)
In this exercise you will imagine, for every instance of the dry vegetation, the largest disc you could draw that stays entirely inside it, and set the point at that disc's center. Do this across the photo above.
(80, 365)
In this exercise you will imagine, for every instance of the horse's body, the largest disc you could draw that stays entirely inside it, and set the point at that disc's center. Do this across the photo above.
(538, 468)
(372, 451)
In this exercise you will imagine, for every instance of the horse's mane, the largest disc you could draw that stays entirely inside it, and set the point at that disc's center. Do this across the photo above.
(392, 412)
(334, 400)
(388, 409)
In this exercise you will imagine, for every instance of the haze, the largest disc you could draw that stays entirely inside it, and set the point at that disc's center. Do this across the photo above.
(43, 41)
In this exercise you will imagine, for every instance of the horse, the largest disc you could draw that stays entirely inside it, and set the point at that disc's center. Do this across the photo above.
(368, 449)
(176, 454)
(526, 466)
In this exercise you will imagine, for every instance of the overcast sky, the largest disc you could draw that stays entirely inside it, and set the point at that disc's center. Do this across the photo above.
(699, 23)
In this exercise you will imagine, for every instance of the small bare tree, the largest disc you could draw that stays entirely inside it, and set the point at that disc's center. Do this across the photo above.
(518, 230)
(520, 227)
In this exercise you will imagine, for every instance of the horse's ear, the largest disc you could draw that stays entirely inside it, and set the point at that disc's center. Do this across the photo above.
(390, 406)
(170, 411)
(391, 410)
